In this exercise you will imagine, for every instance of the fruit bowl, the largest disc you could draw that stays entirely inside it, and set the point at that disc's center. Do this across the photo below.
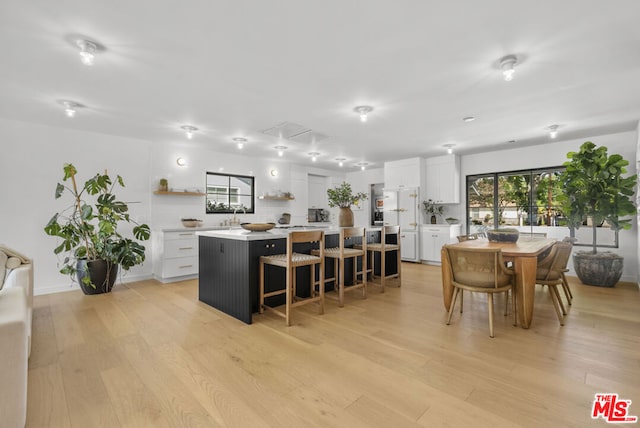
(191, 222)
(257, 227)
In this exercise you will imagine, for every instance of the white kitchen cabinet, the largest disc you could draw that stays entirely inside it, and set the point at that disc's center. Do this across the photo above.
(443, 179)
(409, 250)
(404, 173)
(176, 255)
(433, 237)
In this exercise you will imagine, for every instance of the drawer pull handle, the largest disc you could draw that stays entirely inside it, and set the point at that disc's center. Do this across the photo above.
(185, 248)
(185, 266)
(186, 234)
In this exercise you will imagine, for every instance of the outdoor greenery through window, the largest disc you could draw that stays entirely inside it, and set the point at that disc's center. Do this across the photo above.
(527, 201)
(227, 193)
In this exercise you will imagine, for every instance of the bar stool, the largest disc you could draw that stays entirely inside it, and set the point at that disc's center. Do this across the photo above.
(383, 247)
(290, 261)
(342, 252)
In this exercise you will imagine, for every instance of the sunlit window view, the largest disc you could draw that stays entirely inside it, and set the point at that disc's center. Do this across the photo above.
(527, 201)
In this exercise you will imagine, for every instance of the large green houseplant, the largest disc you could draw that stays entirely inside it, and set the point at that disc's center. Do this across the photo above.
(89, 239)
(342, 196)
(594, 187)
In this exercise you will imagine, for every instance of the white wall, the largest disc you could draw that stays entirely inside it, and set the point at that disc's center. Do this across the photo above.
(30, 166)
(555, 154)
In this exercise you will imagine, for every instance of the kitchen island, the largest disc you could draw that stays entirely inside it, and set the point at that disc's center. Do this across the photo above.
(229, 267)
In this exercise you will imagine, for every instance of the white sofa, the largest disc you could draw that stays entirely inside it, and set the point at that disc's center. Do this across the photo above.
(16, 306)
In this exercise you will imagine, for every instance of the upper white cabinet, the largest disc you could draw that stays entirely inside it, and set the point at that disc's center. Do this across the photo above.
(404, 173)
(443, 179)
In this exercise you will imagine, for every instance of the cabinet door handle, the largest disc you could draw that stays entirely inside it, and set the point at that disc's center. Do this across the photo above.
(413, 224)
(185, 266)
(185, 248)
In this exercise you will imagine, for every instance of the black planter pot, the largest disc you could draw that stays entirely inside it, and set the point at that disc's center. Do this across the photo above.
(102, 274)
(602, 269)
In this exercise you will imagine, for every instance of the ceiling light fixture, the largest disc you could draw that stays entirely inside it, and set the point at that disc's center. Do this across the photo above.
(281, 150)
(88, 51)
(468, 119)
(362, 165)
(449, 148)
(553, 131)
(314, 156)
(507, 65)
(189, 130)
(341, 161)
(181, 162)
(274, 172)
(363, 111)
(70, 107)
(240, 142)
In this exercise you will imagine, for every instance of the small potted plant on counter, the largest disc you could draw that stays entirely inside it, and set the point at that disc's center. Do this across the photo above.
(433, 210)
(342, 196)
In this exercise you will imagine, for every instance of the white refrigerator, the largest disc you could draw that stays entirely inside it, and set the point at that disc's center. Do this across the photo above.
(401, 207)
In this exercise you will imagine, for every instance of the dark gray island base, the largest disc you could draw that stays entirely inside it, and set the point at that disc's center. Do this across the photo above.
(229, 268)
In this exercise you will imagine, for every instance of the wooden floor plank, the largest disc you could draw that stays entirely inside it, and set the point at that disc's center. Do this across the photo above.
(151, 354)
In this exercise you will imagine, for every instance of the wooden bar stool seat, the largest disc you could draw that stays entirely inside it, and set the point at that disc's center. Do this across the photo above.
(388, 234)
(291, 261)
(340, 253)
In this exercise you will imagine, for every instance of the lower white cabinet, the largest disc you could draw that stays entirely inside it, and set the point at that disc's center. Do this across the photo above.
(433, 237)
(409, 249)
(177, 255)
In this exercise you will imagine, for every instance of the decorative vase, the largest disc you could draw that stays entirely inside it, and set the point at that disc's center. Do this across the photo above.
(434, 220)
(345, 217)
(102, 274)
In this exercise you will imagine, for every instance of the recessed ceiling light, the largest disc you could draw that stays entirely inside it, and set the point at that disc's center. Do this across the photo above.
(362, 165)
(363, 111)
(88, 50)
(281, 150)
(469, 119)
(70, 107)
(449, 148)
(511, 141)
(553, 131)
(507, 65)
(240, 142)
(189, 130)
(181, 161)
(314, 156)
(341, 161)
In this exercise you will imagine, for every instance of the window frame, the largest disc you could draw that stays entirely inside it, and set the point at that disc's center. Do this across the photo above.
(532, 198)
(229, 195)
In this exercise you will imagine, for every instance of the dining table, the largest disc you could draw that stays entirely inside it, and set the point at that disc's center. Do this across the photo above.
(523, 254)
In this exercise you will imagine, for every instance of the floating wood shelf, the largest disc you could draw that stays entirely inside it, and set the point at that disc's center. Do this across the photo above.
(277, 198)
(162, 192)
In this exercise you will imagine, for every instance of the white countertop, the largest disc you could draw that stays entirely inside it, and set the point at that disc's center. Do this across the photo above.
(189, 229)
(277, 233)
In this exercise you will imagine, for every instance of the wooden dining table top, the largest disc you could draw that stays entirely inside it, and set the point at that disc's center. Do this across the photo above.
(523, 247)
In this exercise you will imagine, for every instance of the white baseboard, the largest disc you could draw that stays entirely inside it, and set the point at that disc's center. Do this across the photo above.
(38, 291)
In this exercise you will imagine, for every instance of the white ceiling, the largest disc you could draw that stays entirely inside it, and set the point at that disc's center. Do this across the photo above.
(234, 68)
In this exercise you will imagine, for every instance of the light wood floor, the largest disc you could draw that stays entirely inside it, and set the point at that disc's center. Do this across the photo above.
(152, 355)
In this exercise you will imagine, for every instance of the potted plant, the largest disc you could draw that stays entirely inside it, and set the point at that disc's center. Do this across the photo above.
(342, 196)
(88, 232)
(432, 210)
(594, 187)
(164, 185)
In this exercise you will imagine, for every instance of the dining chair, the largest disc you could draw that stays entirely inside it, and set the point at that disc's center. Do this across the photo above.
(345, 250)
(480, 270)
(389, 243)
(550, 272)
(292, 260)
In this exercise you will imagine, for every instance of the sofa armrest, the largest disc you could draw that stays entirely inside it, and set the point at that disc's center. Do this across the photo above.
(22, 277)
(13, 357)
